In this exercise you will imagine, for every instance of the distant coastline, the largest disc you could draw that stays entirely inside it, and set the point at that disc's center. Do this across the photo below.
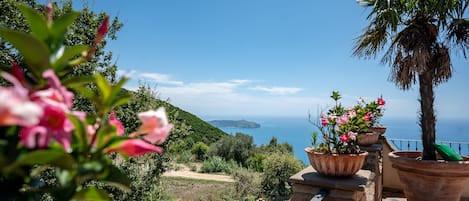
(234, 124)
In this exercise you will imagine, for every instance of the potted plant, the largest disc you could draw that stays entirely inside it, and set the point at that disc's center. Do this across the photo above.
(369, 116)
(375, 111)
(419, 35)
(339, 154)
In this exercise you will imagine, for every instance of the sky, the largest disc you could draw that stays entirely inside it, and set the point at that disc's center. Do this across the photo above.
(243, 58)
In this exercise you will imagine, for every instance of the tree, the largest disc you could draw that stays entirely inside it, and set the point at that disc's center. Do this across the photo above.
(274, 147)
(81, 32)
(418, 35)
(238, 148)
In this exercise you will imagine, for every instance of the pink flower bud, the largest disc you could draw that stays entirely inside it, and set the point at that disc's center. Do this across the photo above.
(49, 11)
(134, 147)
(102, 30)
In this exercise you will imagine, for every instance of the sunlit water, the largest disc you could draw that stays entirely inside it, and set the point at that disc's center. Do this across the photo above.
(297, 131)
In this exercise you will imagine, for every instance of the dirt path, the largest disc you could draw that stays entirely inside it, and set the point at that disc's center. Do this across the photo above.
(185, 172)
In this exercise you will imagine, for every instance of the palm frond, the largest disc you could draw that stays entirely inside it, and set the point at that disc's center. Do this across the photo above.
(441, 65)
(458, 35)
(371, 42)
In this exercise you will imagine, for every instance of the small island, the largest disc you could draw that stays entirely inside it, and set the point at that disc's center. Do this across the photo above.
(234, 124)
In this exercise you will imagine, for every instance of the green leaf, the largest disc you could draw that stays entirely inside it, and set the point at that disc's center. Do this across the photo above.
(69, 53)
(37, 22)
(60, 25)
(57, 158)
(105, 133)
(117, 178)
(121, 100)
(104, 86)
(34, 51)
(59, 29)
(79, 133)
(115, 91)
(77, 81)
(89, 94)
(91, 194)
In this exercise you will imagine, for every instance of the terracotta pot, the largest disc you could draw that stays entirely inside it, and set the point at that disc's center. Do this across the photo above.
(366, 139)
(336, 165)
(378, 129)
(424, 180)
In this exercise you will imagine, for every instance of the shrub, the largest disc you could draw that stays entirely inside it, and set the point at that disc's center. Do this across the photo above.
(277, 169)
(238, 148)
(184, 157)
(216, 164)
(193, 168)
(256, 162)
(200, 151)
(247, 184)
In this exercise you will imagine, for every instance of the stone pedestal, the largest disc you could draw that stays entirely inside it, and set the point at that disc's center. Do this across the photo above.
(373, 162)
(307, 183)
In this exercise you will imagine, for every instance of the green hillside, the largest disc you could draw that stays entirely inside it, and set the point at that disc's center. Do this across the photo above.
(187, 127)
(200, 130)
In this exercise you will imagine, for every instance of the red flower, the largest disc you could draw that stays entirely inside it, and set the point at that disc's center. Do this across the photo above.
(344, 138)
(323, 120)
(381, 101)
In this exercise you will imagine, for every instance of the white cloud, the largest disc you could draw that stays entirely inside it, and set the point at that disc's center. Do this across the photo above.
(161, 78)
(125, 73)
(240, 81)
(277, 90)
(235, 98)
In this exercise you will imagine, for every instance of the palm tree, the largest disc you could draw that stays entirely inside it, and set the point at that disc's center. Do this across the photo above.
(417, 36)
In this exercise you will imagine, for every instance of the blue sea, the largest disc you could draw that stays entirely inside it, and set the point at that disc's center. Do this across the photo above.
(297, 131)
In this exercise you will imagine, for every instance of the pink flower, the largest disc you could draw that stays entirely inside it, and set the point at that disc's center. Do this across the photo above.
(115, 122)
(155, 124)
(344, 138)
(63, 96)
(134, 147)
(342, 120)
(367, 117)
(58, 125)
(16, 108)
(352, 113)
(352, 136)
(55, 102)
(35, 137)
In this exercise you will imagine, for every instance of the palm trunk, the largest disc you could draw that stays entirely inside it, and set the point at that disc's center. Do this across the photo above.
(427, 116)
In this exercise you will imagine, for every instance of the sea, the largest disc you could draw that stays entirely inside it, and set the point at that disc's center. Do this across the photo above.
(297, 132)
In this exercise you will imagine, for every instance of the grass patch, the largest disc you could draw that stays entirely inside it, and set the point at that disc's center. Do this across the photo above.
(197, 190)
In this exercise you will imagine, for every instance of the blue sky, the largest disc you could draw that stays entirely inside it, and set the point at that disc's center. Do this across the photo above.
(244, 58)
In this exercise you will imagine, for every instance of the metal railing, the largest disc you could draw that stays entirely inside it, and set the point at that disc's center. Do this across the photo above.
(416, 145)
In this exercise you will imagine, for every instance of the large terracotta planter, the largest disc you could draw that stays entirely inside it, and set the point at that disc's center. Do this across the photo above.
(336, 165)
(367, 139)
(425, 180)
(378, 129)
